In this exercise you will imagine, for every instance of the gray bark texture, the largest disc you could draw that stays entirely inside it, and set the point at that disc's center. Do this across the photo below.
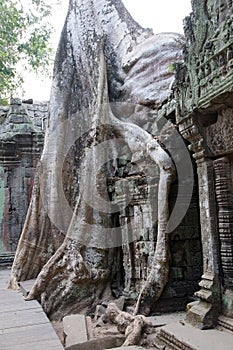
(103, 57)
(132, 326)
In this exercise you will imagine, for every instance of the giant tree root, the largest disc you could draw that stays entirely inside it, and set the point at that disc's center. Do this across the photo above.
(65, 284)
(66, 272)
(132, 326)
(158, 277)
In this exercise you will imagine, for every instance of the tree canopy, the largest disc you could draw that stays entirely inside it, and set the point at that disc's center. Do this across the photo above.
(24, 40)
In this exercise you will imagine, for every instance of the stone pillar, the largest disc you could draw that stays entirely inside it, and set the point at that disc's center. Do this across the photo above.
(204, 314)
(223, 183)
(137, 226)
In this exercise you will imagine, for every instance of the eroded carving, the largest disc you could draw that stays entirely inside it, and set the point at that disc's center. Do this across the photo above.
(223, 183)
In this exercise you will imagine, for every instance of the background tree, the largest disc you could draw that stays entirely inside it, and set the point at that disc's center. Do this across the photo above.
(25, 34)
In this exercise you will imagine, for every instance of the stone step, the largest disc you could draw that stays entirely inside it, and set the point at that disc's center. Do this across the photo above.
(4, 279)
(226, 323)
(23, 324)
(183, 336)
(6, 259)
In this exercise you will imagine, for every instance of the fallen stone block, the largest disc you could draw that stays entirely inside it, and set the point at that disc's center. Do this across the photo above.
(75, 329)
(89, 328)
(109, 342)
(132, 347)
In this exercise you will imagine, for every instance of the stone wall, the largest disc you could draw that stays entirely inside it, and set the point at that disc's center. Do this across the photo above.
(22, 127)
(135, 189)
(204, 93)
(37, 111)
(138, 223)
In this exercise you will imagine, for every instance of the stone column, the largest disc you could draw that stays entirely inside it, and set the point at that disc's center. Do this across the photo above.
(223, 184)
(204, 314)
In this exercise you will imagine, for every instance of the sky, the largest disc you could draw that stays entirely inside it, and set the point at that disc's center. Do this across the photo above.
(160, 15)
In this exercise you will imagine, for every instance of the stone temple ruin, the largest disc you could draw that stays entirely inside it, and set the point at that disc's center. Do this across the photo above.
(154, 102)
(204, 92)
(22, 136)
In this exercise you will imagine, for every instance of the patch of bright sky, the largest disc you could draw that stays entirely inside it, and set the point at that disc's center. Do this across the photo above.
(160, 15)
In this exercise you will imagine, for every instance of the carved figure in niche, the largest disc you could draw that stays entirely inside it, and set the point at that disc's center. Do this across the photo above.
(200, 74)
(212, 15)
(229, 3)
(103, 56)
(230, 57)
(207, 69)
(188, 30)
(222, 63)
(220, 9)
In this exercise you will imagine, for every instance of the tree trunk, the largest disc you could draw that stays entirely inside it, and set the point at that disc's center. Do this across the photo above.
(68, 238)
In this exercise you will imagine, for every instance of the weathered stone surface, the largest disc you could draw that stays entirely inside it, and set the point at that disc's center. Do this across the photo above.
(182, 336)
(107, 342)
(32, 110)
(20, 148)
(227, 302)
(207, 73)
(219, 134)
(129, 348)
(75, 330)
(226, 323)
(223, 185)
(204, 91)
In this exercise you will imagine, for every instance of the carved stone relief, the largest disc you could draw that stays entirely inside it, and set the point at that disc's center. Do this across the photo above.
(223, 183)
(139, 218)
(219, 136)
(208, 53)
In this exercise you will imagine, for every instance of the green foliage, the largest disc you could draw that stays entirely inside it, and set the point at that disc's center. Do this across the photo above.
(24, 40)
(171, 67)
(3, 102)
